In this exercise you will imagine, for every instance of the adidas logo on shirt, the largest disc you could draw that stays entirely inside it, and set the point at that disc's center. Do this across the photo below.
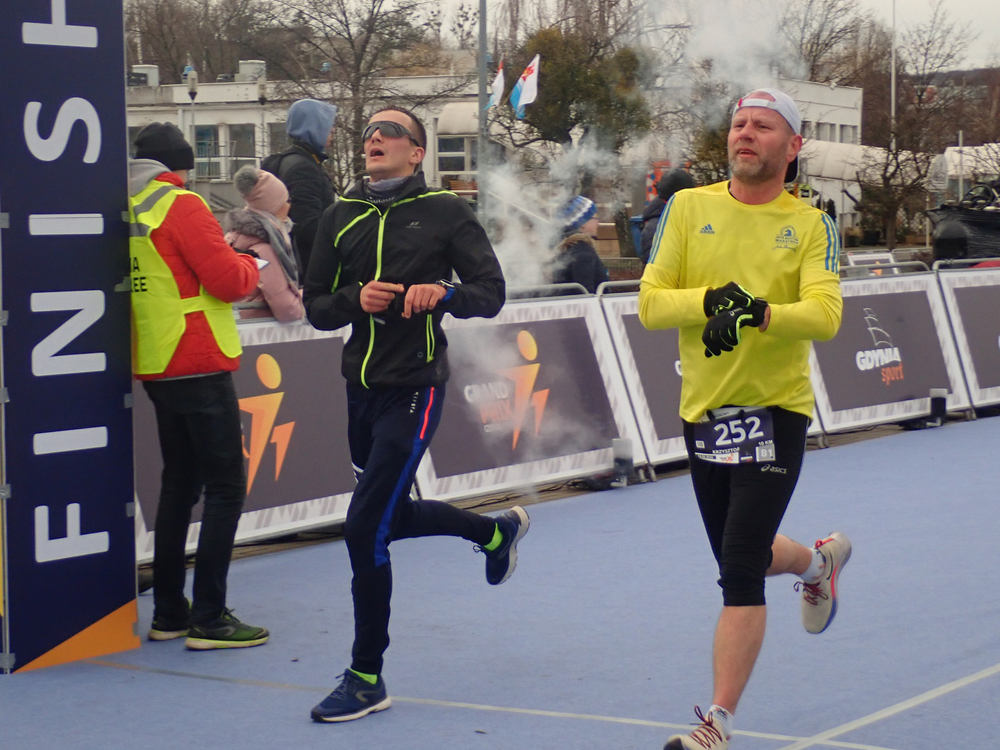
(707, 229)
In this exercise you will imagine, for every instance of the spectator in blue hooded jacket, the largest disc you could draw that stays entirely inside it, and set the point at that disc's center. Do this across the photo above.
(300, 167)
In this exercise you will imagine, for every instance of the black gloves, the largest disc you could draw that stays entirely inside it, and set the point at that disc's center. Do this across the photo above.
(729, 297)
(722, 332)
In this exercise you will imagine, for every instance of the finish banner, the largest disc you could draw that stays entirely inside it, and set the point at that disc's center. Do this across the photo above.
(893, 347)
(973, 300)
(293, 406)
(67, 469)
(535, 395)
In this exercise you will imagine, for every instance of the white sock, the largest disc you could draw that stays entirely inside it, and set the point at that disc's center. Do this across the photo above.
(723, 719)
(814, 572)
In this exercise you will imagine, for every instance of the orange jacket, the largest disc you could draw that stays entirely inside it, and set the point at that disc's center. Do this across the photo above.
(191, 243)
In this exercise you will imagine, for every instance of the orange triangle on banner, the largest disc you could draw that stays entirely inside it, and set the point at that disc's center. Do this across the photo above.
(113, 633)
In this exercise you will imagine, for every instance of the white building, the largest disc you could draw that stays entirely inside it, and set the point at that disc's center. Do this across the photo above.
(239, 122)
(831, 154)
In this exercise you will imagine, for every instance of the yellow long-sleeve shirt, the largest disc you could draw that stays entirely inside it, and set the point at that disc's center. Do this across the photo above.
(785, 252)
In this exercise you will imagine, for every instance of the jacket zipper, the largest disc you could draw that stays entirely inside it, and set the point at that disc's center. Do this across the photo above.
(378, 273)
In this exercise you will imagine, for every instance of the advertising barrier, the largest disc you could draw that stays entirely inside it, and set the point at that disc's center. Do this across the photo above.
(294, 409)
(535, 396)
(893, 347)
(973, 301)
(651, 368)
(68, 538)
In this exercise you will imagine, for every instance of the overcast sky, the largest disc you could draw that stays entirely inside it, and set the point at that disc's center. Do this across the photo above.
(983, 15)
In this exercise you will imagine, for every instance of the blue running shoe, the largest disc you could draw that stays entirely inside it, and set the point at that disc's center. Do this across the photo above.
(500, 563)
(352, 699)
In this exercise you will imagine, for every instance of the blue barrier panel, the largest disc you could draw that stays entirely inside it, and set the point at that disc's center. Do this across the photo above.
(67, 464)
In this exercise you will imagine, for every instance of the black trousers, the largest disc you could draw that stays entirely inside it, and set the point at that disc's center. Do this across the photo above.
(388, 430)
(198, 420)
(742, 506)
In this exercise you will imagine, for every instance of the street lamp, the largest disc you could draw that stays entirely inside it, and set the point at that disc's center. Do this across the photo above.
(262, 99)
(483, 130)
(192, 84)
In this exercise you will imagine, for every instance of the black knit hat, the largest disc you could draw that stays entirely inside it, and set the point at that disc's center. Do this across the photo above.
(672, 181)
(164, 142)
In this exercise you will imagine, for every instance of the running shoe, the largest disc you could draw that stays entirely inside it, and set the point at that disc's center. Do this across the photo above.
(353, 698)
(500, 563)
(167, 629)
(706, 736)
(819, 600)
(225, 632)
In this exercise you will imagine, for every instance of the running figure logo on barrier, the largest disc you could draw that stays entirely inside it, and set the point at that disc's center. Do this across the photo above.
(264, 412)
(524, 382)
(883, 353)
(497, 407)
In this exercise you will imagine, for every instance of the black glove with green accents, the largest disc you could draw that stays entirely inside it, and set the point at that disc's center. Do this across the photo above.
(729, 297)
(722, 331)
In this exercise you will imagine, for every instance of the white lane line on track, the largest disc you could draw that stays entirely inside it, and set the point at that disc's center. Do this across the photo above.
(470, 706)
(824, 737)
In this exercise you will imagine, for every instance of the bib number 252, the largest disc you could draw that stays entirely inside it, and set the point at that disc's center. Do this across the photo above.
(736, 431)
(737, 437)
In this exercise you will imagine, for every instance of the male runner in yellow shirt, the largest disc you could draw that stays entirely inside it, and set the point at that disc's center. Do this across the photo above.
(746, 400)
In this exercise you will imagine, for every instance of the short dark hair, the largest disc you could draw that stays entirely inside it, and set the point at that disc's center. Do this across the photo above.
(420, 133)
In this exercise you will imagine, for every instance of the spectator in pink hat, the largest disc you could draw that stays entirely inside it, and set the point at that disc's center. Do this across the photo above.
(262, 228)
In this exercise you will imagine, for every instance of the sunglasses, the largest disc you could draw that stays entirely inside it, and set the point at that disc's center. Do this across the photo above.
(389, 129)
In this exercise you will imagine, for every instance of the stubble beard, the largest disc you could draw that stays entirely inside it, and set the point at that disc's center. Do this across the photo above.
(754, 174)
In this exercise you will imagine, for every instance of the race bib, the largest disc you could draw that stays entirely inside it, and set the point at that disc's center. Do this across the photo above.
(735, 435)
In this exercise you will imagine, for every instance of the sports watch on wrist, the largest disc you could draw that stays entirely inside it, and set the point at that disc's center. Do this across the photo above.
(449, 289)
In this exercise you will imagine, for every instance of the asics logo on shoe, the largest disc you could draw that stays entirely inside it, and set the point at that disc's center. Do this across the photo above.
(707, 229)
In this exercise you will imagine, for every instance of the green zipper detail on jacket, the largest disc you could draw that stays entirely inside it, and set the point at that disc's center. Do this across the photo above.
(378, 272)
(355, 220)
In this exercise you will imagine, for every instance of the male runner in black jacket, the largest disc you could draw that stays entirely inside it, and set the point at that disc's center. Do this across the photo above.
(382, 262)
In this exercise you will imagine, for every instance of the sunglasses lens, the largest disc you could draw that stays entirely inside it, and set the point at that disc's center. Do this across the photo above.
(388, 128)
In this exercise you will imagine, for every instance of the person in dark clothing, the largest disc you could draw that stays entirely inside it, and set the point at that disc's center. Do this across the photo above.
(300, 168)
(670, 183)
(383, 262)
(576, 257)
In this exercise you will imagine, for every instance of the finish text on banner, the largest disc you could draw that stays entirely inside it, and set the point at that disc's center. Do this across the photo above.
(68, 462)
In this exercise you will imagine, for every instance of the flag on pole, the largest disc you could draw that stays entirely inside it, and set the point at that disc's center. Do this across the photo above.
(497, 94)
(526, 89)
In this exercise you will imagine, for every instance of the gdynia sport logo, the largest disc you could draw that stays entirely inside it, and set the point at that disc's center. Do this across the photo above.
(503, 407)
(883, 355)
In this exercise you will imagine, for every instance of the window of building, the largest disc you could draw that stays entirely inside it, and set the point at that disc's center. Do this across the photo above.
(132, 133)
(456, 163)
(848, 133)
(807, 129)
(277, 137)
(206, 161)
(242, 147)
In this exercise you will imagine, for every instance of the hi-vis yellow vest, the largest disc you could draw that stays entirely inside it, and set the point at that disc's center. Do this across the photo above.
(158, 311)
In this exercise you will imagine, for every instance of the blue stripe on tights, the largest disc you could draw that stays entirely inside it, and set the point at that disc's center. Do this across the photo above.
(402, 486)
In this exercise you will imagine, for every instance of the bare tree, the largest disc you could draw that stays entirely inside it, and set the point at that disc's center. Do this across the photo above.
(210, 35)
(817, 30)
(353, 52)
(894, 176)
